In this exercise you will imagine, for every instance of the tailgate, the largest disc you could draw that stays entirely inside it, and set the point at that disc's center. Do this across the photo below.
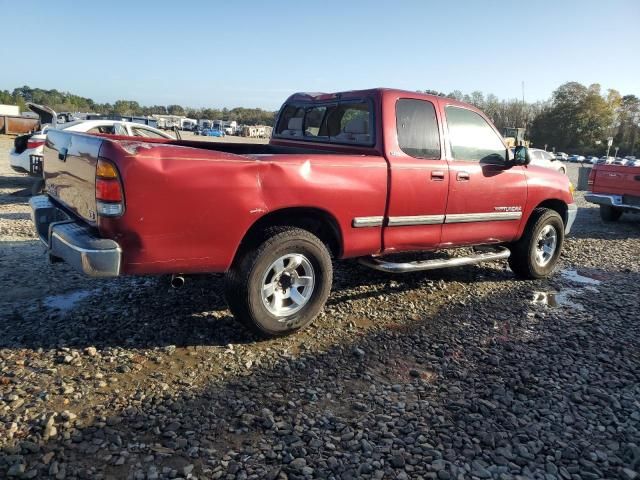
(70, 171)
(617, 180)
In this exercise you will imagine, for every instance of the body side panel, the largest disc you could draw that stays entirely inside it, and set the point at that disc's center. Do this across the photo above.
(187, 210)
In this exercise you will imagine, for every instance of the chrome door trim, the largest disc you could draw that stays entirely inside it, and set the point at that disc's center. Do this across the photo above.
(409, 220)
(360, 222)
(416, 220)
(482, 217)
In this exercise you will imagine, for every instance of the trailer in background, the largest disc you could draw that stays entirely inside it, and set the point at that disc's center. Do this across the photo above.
(149, 121)
(256, 131)
(9, 110)
(14, 125)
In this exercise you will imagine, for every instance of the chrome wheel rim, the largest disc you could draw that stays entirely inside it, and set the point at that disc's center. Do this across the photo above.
(287, 285)
(546, 245)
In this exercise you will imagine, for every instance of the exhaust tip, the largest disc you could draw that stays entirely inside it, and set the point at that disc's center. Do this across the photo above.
(177, 281)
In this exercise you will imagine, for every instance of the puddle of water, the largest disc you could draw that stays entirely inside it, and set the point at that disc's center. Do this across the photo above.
(557, 299)
(67, 302)
(575, 277)
(563, 298)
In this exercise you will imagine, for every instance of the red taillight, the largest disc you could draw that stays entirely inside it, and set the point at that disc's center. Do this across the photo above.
(592, 176)
(109, 197)
(108, 190)
(34, 143)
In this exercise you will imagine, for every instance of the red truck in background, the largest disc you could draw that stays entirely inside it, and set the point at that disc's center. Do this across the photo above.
(358, 174)
(616, 188)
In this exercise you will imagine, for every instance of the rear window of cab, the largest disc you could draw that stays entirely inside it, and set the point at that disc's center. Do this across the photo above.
(346, 122)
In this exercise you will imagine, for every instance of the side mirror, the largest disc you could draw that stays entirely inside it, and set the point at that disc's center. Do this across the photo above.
(521, 156)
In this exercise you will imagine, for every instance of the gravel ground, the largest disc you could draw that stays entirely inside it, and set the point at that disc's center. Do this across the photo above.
(464, 373)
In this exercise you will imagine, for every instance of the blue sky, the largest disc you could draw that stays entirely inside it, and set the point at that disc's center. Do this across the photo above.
(255, 53)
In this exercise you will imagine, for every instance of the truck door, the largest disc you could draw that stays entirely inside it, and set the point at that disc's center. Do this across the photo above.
(486, 197)
(419, 177)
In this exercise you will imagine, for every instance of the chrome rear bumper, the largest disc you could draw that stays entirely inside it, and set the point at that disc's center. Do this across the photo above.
(74, 242)
(610, 200)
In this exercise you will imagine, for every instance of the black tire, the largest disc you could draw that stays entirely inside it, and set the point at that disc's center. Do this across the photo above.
(523, 260)
(609, 213)
(245, 280)
(37, 187)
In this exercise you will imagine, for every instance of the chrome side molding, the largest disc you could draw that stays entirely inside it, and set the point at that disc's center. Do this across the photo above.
(482, 217)
(360, 222)
(487, 256)
(408, 220)
(416, 220)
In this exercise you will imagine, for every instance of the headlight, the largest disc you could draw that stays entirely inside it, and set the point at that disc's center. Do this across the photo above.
(571, 189)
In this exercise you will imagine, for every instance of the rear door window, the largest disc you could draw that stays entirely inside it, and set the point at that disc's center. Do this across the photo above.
(417, 128)
(472, 138)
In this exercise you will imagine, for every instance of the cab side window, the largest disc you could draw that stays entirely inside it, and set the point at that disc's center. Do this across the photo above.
(472, 138)
(417, 128)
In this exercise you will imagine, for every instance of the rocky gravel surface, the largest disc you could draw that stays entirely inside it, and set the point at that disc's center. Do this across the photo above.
(464, 373)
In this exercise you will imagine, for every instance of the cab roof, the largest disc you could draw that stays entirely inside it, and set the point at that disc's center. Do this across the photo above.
(376, 92)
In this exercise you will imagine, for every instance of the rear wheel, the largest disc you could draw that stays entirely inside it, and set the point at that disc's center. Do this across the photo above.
(536, 254)
(610, 214)
(280, 286)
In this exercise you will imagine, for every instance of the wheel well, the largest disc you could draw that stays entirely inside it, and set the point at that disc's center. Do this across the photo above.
(557, 205)
(319, 222)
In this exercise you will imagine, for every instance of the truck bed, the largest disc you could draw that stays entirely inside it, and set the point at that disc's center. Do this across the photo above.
(178, 214)
(617, 180)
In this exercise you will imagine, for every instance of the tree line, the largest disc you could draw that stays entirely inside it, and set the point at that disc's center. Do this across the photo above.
(577, 118)
(68, 102)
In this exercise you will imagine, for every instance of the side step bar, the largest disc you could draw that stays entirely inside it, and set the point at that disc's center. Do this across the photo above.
(487, 256)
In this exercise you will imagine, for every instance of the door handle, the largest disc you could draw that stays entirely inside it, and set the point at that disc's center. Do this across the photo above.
(463, 176)
(637, 178)
(437, 175)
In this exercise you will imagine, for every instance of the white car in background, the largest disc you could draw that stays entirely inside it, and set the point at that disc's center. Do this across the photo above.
(546, 159)
(606, 160)
(27, 152)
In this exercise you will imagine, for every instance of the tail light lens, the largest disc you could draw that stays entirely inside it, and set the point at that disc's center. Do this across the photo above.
(592, 177)
(35, 143)
(109, 195)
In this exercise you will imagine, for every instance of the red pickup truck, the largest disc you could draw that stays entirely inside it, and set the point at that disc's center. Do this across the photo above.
(616, 189)
(359, 174)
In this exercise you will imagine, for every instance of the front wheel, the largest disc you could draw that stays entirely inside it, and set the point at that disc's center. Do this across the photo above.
(609, 213)
(281, 285)
(536, 254)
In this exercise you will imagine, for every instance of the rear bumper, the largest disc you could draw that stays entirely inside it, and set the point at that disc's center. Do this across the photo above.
(29, 161)
(610, 200)
(74, 242)
(572, 212)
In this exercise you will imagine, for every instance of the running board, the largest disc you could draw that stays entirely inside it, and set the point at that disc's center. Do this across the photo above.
(379, 264)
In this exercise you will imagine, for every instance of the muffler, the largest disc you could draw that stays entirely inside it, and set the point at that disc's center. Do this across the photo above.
(177, 280)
